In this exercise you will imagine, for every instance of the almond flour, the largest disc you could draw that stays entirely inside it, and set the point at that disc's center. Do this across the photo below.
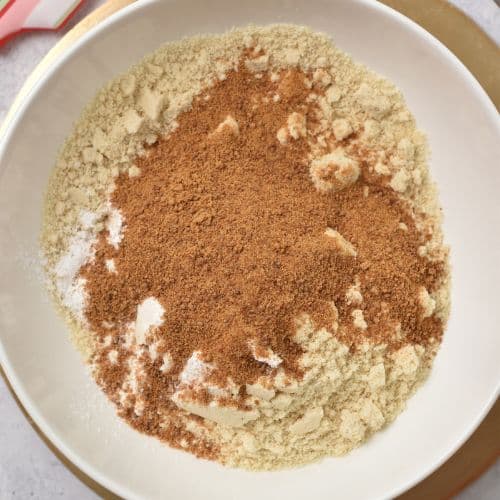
(243, 235)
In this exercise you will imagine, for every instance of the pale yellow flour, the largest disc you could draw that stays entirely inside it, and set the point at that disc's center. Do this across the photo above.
(344, 396)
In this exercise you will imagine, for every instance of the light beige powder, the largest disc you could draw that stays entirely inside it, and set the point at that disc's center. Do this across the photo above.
(344, 396)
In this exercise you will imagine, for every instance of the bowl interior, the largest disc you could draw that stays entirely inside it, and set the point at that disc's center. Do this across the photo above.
(464, 135)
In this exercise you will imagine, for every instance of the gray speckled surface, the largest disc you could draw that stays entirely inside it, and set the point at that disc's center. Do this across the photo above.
(28, 469)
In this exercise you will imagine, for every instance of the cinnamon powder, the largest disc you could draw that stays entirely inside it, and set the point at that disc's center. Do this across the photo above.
(227, 231)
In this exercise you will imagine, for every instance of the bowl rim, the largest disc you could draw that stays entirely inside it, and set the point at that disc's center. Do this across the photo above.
(8, 130)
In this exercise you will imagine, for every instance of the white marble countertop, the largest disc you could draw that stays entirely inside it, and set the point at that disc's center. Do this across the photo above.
(27, 467)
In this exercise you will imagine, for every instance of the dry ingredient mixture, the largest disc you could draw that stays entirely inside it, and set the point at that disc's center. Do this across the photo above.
(244, 237)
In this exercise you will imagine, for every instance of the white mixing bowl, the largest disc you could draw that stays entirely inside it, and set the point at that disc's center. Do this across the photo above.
(463, 128)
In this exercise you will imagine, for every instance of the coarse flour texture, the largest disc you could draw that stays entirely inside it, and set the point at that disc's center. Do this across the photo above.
(349, 364)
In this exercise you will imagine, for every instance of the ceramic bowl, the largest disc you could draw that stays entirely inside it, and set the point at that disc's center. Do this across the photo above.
(46, 371)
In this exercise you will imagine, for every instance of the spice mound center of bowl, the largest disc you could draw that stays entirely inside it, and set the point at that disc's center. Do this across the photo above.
(227, 235)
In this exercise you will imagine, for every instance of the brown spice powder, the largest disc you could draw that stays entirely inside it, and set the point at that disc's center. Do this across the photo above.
(227, 231)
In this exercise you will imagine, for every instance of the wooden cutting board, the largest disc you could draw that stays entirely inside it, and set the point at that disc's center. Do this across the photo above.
(482, 57)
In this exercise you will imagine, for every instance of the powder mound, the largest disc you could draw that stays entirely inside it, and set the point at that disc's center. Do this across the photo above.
(252, 256)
